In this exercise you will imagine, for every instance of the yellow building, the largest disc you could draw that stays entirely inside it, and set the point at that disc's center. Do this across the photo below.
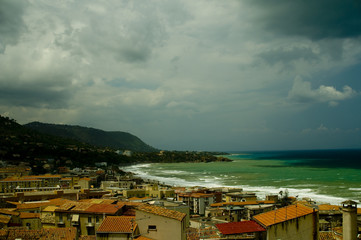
(30, 183)
(296, 222)
(85, 216)
(30, 220)
(47, 217)
(152, 191)
(161, 223)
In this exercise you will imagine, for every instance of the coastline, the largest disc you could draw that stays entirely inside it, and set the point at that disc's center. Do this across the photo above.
(173, 177)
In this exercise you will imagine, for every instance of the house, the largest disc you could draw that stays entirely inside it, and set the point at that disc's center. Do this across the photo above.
(236, 211)
(241, 230)
(85, 183)
(160, 223)
(118, 227)
(330, 216)
(30, 183)
(30, 220)
(47, 217)
(198, 201)
(149, 190)
(292, 222)
(240, 196)
(85, 216)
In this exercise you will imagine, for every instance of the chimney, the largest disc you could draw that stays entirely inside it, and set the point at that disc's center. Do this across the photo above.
(349, 220)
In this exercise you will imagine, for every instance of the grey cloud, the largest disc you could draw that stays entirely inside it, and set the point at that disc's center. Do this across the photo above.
(286, 56)
(302, 92)
(316, 20)
(33, 96)
(126, 33)
(11, 22)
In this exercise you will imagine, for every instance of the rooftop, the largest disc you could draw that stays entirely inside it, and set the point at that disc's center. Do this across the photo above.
(162, 212)
(117, 224)
(239, 227)
(283, 214)
(241, 203)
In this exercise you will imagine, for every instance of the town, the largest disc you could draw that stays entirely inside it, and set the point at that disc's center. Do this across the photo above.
(107, 203)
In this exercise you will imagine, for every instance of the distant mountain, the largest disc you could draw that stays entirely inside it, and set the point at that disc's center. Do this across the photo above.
(97, 137)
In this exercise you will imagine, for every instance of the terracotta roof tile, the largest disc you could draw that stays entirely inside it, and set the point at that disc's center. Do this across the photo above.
(162, 212)
(33, 205)
(41, 234)
(103, 208)
(5, 219)
(24, 215)
(117, 224)
(9, 211)
(98, 201)
(239, 227)
(282, 214)
(328, 207)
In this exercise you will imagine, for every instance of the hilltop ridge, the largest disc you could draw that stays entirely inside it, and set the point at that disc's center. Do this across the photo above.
(96, 137)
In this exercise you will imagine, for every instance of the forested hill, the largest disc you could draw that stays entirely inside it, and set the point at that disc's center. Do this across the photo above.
(115, 140)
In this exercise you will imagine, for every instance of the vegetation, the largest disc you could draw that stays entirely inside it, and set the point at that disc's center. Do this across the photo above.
(46, 153)
(96, 137)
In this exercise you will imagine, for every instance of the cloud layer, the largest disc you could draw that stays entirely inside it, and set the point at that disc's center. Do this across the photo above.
(183, 74)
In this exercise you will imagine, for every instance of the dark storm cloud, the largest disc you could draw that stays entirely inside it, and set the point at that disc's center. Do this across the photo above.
(11, 22)
(312, 19)
(30, 96)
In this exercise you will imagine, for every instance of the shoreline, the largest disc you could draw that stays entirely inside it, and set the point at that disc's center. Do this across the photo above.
(261, 191)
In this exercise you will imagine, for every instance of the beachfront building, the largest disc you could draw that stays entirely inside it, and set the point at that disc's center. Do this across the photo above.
(117, 185)
(160, 223)
(151, 191)
(237, 211)
(297, 222)
(330, 216)
(240, 196)
(241, 230)
(198, 201)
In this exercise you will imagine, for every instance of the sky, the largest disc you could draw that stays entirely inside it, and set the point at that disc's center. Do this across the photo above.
(188, 75)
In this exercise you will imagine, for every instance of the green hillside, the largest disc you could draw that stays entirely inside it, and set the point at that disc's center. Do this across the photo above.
(115, 140)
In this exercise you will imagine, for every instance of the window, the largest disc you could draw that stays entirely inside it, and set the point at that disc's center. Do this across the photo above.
(152, 228)
(97, 219)
(89, 219)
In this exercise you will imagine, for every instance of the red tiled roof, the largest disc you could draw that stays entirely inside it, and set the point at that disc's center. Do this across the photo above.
(328, 207)
(283, 214)
(118, 224)
(239, 227)
(103, 208)
(41, 234)
(160, 211)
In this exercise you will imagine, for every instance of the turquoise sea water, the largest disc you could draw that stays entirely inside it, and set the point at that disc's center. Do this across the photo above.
(312, 176)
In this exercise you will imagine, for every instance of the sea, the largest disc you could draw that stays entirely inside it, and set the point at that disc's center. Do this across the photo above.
(323, 176)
